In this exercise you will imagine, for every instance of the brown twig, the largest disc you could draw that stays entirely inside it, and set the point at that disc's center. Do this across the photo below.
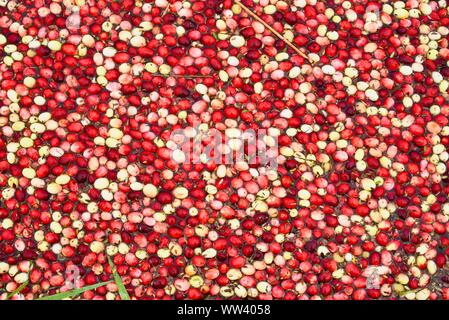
(280, 36)
(166, 10)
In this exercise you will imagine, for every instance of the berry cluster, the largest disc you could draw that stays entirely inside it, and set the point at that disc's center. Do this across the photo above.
(354, 92)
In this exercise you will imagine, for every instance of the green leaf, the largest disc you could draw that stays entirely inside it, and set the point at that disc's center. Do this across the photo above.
(20, 288)
(74, 292)
(118, 281)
